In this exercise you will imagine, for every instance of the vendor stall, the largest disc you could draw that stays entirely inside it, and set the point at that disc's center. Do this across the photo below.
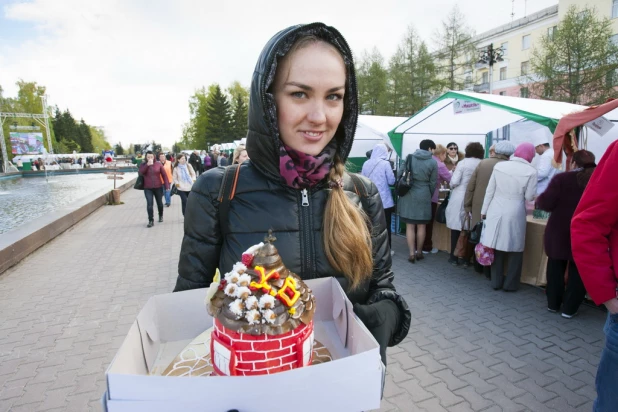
(370, 130)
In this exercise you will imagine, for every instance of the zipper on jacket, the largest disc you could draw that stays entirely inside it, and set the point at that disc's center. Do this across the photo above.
(306, 232)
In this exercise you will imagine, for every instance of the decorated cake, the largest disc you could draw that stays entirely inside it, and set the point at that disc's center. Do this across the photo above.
(263, 316)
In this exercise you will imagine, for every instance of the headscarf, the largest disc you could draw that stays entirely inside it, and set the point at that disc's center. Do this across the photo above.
(504, 147)
(184, 173)
(302, 171)
(525, 151)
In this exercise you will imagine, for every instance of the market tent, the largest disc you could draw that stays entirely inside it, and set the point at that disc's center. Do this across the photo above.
(463, 117)
(370, 130)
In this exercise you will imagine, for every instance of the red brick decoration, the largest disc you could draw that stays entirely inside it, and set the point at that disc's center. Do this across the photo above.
(241, 354)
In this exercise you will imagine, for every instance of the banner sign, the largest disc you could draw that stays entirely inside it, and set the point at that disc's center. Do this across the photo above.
(465, 106)
(600, 125)
(26, 143)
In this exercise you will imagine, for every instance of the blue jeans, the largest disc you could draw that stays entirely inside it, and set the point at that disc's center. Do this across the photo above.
(607, 374)
(168, 196)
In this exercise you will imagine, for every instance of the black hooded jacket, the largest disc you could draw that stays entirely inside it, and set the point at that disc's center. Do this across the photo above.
(262, 201)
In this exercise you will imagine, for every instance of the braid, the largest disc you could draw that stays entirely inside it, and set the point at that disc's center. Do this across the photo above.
(347, 240)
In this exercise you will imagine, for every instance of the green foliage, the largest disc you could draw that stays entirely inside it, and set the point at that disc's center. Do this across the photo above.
(176, 148)
(239, 101)
(218, 123)
(118, 149)
(371, 77)
(99, 140)
(455, 50)
(578, 63)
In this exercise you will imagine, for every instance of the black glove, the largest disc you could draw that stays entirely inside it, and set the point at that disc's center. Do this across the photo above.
(381, 318)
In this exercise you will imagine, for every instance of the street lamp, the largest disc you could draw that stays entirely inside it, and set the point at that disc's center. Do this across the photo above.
(489, 56)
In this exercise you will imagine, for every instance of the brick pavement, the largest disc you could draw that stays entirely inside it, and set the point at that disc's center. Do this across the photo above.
(65, 310)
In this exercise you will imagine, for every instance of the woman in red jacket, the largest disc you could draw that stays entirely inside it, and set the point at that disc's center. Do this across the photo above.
(561, 198)
(594, 234)
(155, 178)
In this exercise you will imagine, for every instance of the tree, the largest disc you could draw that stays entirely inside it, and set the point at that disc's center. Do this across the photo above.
(85, 137)
(176, 148)
(218, 120)
(397, 91)
(239, 98)
(578, 63)
(455, 49)
(118, 149)
(99, 139)
(372, 80)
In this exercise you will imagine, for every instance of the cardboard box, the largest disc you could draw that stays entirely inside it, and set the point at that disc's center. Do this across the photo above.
(353, 381)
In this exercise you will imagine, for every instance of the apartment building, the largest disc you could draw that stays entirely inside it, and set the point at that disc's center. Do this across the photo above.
(517, 40)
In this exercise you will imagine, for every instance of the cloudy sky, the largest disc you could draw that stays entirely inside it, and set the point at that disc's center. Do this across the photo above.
(131, 65)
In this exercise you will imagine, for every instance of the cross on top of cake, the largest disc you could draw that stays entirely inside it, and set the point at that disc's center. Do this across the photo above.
(260, 295)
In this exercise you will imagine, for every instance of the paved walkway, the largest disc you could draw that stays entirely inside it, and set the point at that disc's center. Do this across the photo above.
(65, 310)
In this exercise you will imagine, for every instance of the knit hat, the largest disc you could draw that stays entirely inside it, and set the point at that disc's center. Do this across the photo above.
(504, 147)
(525, 151)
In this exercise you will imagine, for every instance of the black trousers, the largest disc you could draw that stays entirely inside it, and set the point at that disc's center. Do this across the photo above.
(183, 199)
(158, 196)
(428, 245)
(514, 261)
(454, 238)
(388, 214)
(556, 295)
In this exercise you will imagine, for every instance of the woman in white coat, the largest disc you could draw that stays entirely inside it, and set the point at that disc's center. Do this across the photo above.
(455, 211)
(504, 210)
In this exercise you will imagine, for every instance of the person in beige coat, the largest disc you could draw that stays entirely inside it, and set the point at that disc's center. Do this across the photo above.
(183, 177)
(477, 186)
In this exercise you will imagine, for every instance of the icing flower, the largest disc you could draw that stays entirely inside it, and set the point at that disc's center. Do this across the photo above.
(239, 268)
(214, 286)
(269, 316)
(243, 292)
(253, 317)
(232, 277)
(237, 307)
(267, 302)
(244, 280)
(251, 303)
(230, 290)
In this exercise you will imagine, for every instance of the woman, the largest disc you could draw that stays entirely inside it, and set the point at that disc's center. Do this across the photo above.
(453, 156)
(444, 176)
(155, 181)
(561, 199)
(302, 119)
(504, 211)
(415, 206)
(240, 154)
(378, 170)
(455, 214)
(477, 186)
(184, 176)
(167, 166)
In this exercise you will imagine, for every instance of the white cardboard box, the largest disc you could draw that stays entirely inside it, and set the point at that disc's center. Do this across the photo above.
(167, 323)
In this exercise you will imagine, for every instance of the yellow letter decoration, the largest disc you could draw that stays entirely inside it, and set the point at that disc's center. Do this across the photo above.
(288, 292)
(264, 285)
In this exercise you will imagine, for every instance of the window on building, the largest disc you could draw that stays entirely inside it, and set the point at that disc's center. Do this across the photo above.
(525, 68)
(615, 9)
(612, 78)
(523, 92)
(551, 32)
(502, 93)
(502, 73)
(614, 39)
(485, 77)
(505, 48)
(548, 91)
(468, 82)
(525, 42)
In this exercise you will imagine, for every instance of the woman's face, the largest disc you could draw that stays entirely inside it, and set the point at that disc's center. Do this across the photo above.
(182, 160)
(242, 156)
(442, 157)
(309, 91)
(149, 157)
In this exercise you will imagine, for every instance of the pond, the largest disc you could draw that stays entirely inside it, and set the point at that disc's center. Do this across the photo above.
(24, 199)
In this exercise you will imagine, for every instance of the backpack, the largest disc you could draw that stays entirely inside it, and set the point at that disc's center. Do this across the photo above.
(207, 162)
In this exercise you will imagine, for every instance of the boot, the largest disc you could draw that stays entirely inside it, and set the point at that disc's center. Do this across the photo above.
(150, 223)
(160, 219)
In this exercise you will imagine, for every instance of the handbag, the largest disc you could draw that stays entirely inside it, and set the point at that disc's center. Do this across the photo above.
(441, 211)
(484, 255)
(475, 233)
(462, 242)
(139, 183)
(404, 183)
(174, 189)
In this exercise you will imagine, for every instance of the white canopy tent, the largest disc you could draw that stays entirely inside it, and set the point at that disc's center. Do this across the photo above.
(371, 130)
(464, 117)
